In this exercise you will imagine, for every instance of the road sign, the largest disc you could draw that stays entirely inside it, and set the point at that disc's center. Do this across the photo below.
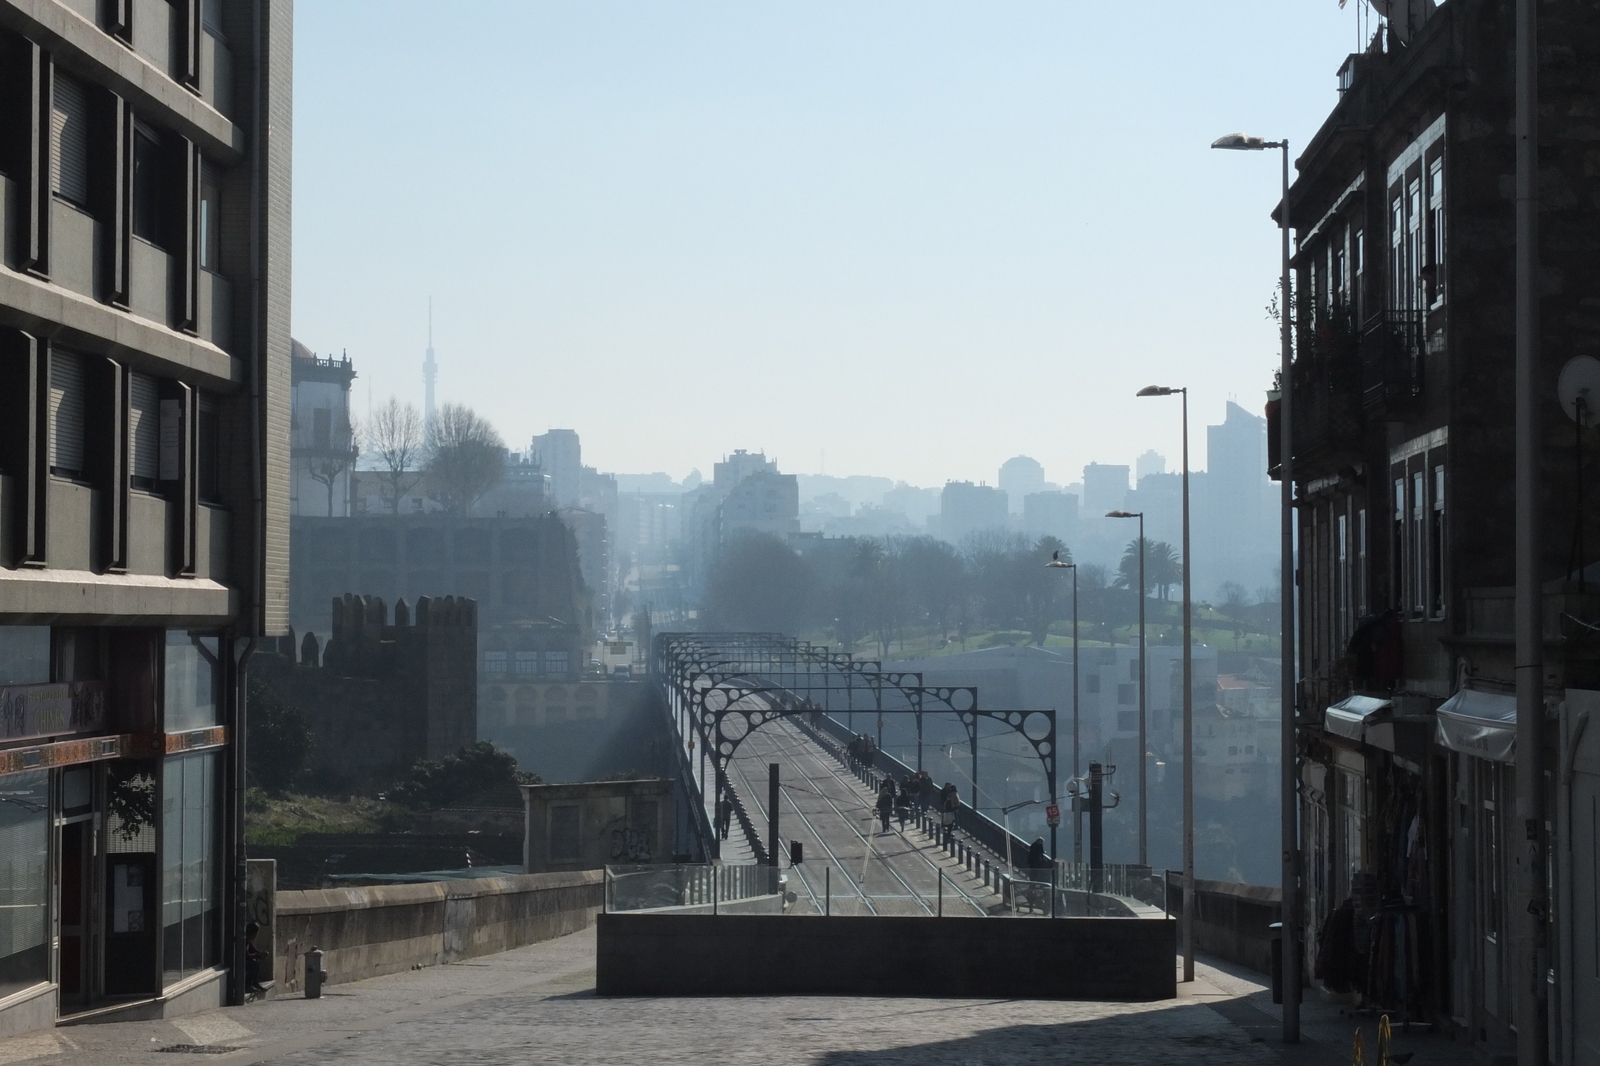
(1052, 815)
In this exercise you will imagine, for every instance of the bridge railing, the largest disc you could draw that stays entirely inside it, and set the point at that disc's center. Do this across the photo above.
(693, 887)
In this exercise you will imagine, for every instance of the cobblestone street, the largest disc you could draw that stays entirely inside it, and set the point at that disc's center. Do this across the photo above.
(536, 1005)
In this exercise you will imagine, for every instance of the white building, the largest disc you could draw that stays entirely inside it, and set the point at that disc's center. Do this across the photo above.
(322, 445)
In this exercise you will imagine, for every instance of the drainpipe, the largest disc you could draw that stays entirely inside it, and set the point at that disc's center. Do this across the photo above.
(1532, 963)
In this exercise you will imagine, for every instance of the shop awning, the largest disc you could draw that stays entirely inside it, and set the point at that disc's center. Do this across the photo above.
(1350, 716)
(1481, 724)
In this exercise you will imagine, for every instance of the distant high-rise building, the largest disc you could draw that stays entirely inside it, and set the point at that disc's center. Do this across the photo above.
(1105, 488)
(1151, 462)
(965, 508)
(560, 456)
(1050, 514)
(1236, 465)
(733, 469)
(1019, 477)
(430, 374)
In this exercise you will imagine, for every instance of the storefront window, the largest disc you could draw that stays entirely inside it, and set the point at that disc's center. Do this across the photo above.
(192, 676)
(191, 916)
(24, 655)
(24, 866)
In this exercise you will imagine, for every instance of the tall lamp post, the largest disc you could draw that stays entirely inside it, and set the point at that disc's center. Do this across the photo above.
(1289, 826)
(1188, 699)
(1077, 815)
(1144, 822)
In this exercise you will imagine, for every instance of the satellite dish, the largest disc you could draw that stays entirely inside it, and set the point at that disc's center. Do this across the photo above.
(1580, 379)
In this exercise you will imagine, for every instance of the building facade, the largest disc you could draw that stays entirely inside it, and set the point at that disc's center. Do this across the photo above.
(322, 444)
(144, 469)
(1403, 452)
(965, 509)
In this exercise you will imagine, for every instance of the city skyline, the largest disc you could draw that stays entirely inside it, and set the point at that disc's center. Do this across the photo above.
(900, 221)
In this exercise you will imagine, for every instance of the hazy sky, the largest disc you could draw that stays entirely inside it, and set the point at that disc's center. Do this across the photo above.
(922, 236)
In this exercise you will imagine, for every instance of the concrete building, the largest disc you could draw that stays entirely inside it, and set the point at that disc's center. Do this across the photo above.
(593, 540)
(560, 455)
(1404, 209)
(515, 569)
(1105, 488)
(598, 823)
(1020, 477)
(144, 486)
(322, 447)
(1052, 514)
(965, 509)
(747, 494)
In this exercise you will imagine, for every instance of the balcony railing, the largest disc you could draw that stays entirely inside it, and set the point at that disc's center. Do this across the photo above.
(1327, 404)
(1393, 344)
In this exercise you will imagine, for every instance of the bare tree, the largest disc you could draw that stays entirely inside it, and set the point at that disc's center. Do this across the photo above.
(335, 451)
(395, 437)
(466, 457)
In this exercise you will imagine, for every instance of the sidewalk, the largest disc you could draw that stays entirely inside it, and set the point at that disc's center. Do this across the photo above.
(537, 1005)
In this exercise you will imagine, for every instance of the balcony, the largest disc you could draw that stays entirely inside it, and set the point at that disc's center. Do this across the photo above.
(1327, 398)
(1393, 344)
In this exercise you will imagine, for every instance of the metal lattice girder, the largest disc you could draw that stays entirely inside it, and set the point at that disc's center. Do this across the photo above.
(721, 687)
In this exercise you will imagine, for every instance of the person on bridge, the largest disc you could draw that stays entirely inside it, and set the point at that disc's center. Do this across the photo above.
(903, 800)
(949, 803)
(885, 801)
(924, 791)
(724, 817)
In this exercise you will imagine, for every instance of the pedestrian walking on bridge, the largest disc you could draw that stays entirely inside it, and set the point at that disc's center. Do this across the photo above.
(885, 801)
(949, 803)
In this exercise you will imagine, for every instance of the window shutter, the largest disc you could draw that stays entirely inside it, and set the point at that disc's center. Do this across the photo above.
(69, 140)
(66, 413)
(144, 424)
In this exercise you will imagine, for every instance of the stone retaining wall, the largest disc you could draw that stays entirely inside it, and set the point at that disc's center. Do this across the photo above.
(365, 932)
(1231, 920)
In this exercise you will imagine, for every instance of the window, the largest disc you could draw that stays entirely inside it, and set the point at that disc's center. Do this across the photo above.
(1133, 669)
(144, 430)
(189, 688)
(527, 662)
(1358, 252)
(191, 912)
(1436, 244)
(565, 845)
(210, 204)
(1091, 684)
(494, 662)
(24, 881)
(1436, 546)
(1397, 253)
(69, 141)
(66, 414)
(1419, 546)
(1127, 694)
(1233, 749)
(1414, 246)
(1397, 548)
(1362, 575)
(1352, 805)
(1341, 548)
(147, 184)
(555, 663)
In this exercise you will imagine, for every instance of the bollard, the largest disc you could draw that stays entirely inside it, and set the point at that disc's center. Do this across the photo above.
(314, 974)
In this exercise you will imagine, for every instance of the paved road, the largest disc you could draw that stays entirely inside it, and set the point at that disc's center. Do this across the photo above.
(868, 871)
(536, 1005)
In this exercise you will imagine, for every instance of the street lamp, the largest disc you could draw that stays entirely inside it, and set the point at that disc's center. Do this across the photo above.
(1144, 856)
(1289, 825)
(1188, 699)
(1077, 815)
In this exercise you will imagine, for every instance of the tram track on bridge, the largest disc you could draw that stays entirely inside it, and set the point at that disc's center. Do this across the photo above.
(792, 751)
